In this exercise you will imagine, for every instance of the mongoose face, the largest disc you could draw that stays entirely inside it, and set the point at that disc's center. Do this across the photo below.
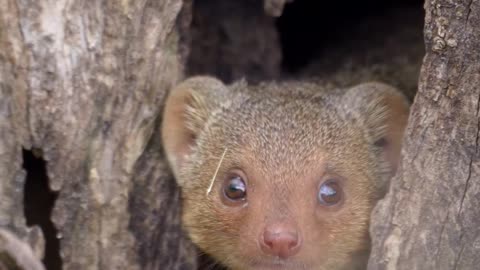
(282, 176)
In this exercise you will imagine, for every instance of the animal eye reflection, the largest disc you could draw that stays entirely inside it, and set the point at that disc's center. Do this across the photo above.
(235, 188)
(330, 193)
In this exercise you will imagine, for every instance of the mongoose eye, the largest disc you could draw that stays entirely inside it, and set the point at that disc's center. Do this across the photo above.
(330, 193)
(235, 188)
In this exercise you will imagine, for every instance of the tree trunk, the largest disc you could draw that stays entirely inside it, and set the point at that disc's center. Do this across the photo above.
(430, 218)
(82, 83)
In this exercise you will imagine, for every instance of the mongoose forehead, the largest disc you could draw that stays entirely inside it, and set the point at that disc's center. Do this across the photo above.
(282, 175)
(283, 133)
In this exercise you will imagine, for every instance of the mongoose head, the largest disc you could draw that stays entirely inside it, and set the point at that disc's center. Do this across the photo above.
(282, 175)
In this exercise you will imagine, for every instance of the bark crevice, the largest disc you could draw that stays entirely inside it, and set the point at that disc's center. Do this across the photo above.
(39, 201)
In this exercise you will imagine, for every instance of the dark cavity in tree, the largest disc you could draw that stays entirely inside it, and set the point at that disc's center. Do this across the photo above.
(310, 29)
(38, 204)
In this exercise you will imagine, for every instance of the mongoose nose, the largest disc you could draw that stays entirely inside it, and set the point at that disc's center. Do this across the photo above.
(280, 240)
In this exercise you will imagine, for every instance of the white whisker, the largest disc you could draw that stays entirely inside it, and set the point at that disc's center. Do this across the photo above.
(216, 171)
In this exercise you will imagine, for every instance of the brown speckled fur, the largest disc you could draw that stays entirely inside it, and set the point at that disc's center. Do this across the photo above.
(285, 137)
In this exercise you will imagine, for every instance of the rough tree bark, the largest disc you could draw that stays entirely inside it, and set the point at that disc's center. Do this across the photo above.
(430, 218)
(82, 82)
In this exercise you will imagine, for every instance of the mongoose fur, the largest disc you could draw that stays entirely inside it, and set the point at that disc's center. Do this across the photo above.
(282, 175)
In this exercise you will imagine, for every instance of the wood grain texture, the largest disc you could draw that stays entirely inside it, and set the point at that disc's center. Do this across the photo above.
(84, 82)
(17, 255)
(430, 218)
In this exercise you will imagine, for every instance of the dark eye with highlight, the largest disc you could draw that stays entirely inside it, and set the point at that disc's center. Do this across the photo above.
(330, 193)
(235, 188)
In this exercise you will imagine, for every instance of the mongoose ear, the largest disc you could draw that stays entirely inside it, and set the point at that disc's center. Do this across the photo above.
(186, 112)
(384, 111)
